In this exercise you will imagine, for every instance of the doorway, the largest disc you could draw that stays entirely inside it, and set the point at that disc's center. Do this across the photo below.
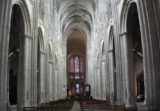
(135, 50)
(15, 56)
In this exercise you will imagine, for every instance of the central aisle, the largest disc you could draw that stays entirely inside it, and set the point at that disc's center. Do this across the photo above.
(76, 107)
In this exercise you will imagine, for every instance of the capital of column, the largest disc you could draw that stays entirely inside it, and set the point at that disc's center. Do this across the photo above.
(27, 36)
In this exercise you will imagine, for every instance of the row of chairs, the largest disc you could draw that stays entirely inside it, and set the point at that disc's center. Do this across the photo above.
(99, 105)
(59, 105)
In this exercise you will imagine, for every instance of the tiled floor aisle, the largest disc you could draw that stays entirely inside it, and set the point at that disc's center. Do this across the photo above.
(76, 107)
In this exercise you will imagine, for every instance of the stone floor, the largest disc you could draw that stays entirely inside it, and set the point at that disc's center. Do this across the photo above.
(79, 105)
(76, 107)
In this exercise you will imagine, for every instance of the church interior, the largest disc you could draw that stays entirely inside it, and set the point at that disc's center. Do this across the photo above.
(80, 55)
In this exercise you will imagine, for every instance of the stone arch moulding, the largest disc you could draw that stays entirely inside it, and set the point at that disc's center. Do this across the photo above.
(26, 15)
(62, 9)
(102, 46)
(41, 39)
(72, 26)
(124, 14)
(51, 49)
(111, 35)
(103, 50)
(124, 35)
(109, 32)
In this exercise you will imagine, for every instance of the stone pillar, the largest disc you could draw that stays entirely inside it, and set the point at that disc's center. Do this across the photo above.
(112, 78)
(150, 26)
(99, 84)
(5, 18)
(24, 77)
(46, 77)
(103, 71)
(56, 84)
(107, 80)
(128, 72)
(95, 82)
(51, 81)
(34, 80)
(91, 75)
(42, 76)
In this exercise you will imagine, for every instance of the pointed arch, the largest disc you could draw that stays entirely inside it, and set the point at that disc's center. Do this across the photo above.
(111, 38)
(112, 66)
(50, 51)
(124, 14)
(40, 39)
(102, 47)
(26, 15)
(130, 33)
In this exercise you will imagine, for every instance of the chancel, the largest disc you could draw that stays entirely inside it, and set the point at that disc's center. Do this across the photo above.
(80, 55)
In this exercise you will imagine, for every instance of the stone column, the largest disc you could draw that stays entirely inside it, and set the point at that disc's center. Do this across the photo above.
(128, 72)
(51, 81)
(24, 77)
(46, 76)
(5, 18)
(99, 84)
(42, 76)
(103, 80)
(150, 26)
(92, 78)
(34, 87)
(95, 82)
(56, 84)
(112, 78)
(107, 80)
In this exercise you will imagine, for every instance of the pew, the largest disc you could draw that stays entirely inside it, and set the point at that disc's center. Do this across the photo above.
(59, 105)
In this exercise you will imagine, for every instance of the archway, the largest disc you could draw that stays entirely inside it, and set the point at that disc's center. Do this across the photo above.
(135, 51)
(16, 54)
(76, 60)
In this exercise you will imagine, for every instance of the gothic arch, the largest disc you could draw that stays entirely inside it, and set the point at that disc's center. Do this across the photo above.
(103, 49)
(26, 15)
(16, 56)
(50, 51)
(124, 14)
(40, 39)
(20, 25)
(130, 36)
(112, 66)
(40, 65)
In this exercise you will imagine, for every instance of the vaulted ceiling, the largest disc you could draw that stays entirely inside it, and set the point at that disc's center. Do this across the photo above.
(76, 17)
(76, 14)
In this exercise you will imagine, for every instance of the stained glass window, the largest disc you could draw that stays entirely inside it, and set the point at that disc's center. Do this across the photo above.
(76, 64)
(77, 88)
(72, 65)
(76, 74)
